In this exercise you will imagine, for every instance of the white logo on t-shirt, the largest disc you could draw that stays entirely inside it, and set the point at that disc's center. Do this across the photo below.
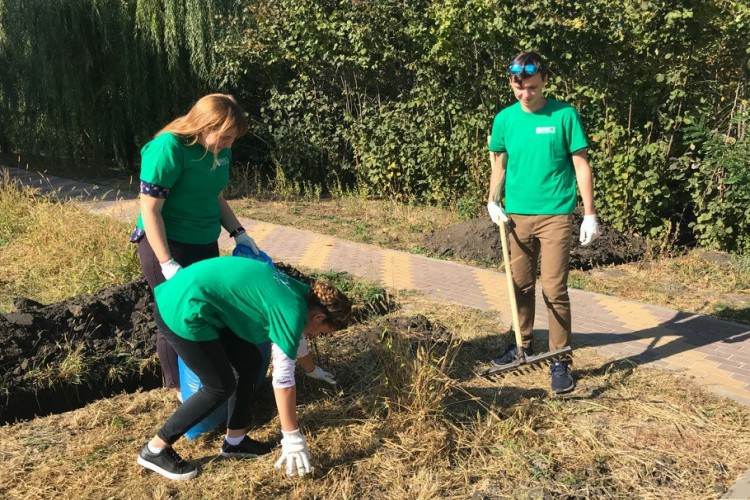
(282, 278)
(220, 162)
(545, 130)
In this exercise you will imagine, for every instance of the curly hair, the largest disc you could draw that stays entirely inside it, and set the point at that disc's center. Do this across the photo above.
(336, 306)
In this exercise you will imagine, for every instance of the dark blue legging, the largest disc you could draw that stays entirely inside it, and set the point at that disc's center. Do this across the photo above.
(184, 254)
(228, 368)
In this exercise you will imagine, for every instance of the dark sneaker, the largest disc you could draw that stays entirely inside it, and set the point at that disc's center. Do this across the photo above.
(562, 380)
(167, 463)
(248, 448)
(510, 355)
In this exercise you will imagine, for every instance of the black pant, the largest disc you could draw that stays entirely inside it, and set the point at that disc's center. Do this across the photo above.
(185, 254)
(228, 368)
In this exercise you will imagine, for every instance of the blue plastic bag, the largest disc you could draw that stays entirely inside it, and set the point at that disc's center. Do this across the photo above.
(190, 383)
(246, 251)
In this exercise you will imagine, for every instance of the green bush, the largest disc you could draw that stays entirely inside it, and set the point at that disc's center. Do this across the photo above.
(717, 171)
(398, 97)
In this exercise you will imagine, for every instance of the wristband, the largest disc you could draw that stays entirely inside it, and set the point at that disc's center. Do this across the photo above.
(237, 232)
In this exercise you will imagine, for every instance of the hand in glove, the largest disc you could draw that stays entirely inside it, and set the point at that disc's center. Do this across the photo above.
(321, 374)
(295, 453)
(589, 229)
(244, 239)
(169, 268)
(497, 213)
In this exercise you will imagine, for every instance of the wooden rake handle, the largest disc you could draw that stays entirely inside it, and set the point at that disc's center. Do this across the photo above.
(509, 277)
(511, 293)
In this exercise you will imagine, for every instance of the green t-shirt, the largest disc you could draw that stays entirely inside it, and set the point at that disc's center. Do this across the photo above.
(191, 210)
(256, 302)
(540, 178)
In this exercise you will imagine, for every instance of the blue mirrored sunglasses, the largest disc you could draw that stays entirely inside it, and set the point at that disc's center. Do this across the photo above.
(528, 69)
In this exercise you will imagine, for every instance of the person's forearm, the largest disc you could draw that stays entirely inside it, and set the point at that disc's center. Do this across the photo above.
(153, 225)
(286, 403)
(228, 220)
(306, 362)
(585, 183)
(497, 177)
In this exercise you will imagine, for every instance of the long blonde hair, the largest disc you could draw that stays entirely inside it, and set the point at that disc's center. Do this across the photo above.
(219, 112)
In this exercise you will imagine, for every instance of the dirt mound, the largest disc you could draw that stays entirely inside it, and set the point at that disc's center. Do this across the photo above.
(479, 240)
(60, 356)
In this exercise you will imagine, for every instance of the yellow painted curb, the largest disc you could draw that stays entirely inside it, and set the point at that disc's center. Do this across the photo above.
(317, 252)
(494, 289)
(395, 271)
(260, 231)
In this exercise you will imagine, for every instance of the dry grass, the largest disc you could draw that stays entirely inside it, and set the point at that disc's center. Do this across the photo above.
(385, 223)
(710, 283)
(411, 421)
(50, 250)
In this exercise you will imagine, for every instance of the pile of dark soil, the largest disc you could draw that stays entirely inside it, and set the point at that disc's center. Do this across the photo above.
(61, 356)
(479, 240)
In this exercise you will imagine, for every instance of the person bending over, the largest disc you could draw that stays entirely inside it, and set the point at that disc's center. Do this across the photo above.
(213, 314)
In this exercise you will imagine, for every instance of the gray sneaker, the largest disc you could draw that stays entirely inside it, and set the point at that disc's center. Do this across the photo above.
(167, 463)
(510, 355)
(562, 380)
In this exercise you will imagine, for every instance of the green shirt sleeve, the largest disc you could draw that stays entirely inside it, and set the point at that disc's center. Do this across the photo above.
(287, 313)
(162, 160)
(497, 139)
(575, 133)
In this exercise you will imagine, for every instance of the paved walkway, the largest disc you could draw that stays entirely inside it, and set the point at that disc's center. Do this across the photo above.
(716, 353)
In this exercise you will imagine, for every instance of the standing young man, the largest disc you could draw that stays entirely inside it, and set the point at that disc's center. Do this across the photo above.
(538, 148)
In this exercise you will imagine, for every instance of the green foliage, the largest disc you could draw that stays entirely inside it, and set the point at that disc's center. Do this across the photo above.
(397, 98)
(469, 207)
(95, 79)
(717, 171)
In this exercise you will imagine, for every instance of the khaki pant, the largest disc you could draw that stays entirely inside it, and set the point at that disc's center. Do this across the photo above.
(549, 235)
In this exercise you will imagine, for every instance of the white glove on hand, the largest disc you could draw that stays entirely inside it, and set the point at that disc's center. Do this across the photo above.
(295, 453)
(497, 213)
(244, 239)
(169, 268)
(589, 229)
(321, 374)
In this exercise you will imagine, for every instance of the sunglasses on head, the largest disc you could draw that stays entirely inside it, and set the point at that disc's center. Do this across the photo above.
(527, 69)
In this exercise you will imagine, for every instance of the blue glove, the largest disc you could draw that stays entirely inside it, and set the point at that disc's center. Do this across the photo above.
(245, 251)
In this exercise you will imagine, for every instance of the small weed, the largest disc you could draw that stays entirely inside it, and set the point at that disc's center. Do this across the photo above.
(117, 422)
(39, 442)
(578, 280)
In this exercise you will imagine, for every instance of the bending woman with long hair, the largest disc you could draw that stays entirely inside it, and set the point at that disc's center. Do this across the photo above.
(214, 313)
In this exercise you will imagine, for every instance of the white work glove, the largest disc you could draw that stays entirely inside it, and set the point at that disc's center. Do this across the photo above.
(244, 239)
(321, 374)
(169, 268)
(497, 213)
(295, 453)
(589, 229)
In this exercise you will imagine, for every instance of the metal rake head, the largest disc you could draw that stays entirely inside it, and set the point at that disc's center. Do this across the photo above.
(531, 363)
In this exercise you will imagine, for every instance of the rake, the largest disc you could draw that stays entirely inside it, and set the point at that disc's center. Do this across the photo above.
(523, 364)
